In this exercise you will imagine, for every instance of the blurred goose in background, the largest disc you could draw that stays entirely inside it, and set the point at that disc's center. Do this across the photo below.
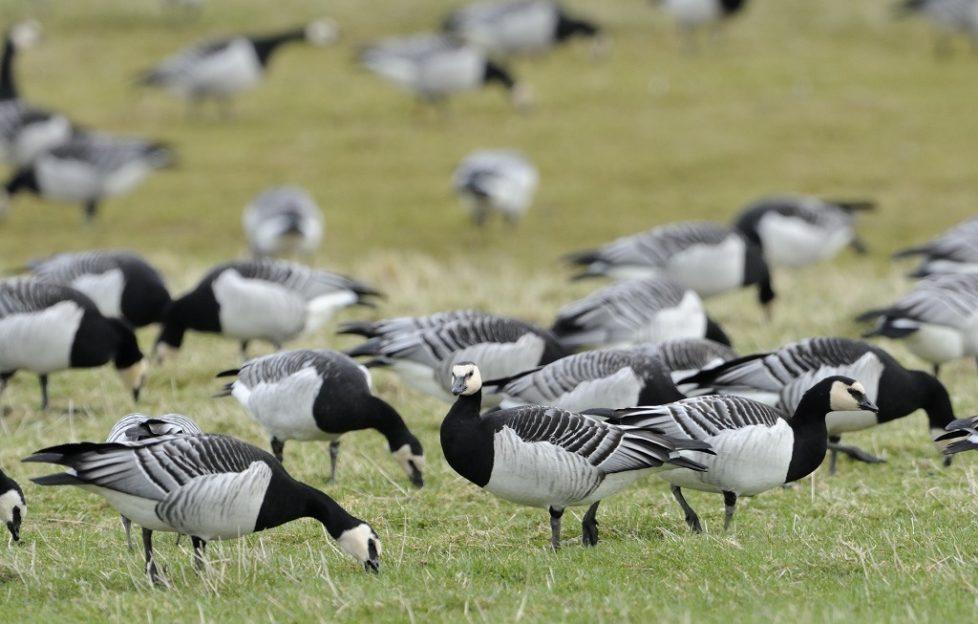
(320, 395)
(45, 328)
(954, 251)
(122, 284)
(938, 319)
(209, 487)
(634, 311)
(435, 67)
(515, 27)
(685, 356)
(798, 231)
(500, 345)
(500, 181)
(706, 257)
(283, 219)
(136, 427)
(221, 69)
(605, 378)
(757, 447)
(694, 15)
(270, 300)
(545, 457)
(13, 505)
(949, 17)
(407, 324)
(780, 378)
(86, 170)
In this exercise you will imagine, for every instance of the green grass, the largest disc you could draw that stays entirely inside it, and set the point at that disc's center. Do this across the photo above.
(821, 97)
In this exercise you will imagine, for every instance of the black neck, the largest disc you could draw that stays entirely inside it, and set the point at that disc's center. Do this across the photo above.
(8, 87)
(23, 180)
(326, 510)
(385, 419)
(731, 6)
(495, 73)
(934, 399)
(568, 27)
(715, 333)
(810, 434)
(468, 447)
(127, 352)
(266, 46)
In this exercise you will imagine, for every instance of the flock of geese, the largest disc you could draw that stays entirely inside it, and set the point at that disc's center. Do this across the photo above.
(631, 380)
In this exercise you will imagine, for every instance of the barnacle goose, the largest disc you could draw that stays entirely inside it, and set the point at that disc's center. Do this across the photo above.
(513, 27)
(692, 15)
(795, 231)
(269, 300)
(122, 284)
(500, 181)
(223, 68)
(633, 311)
(966, 428)
(948, 17)
(756, 447)
(283, 219)
(434, 67)
(685, 356)
(207, 486)
(87, 169)
(954, 251)
(501, 347)
(407, 324)
(320, 395)
(706, 257)
(938, 319)
(605, 378)
(135, 427)
(46, 328)
(13, 505)
(780, 378)
(547, 457)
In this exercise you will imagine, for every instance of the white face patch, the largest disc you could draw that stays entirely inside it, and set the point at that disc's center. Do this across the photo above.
(840, 399)
(9, 501)
(135, 376)
(405, 458)
(322, 32)
(357, 543)
(470, 374)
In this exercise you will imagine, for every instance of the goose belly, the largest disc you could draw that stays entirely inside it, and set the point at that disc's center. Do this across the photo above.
(67, 180)
(842, 422)
(460, 70)
(936, 343)
(39, 136)
(105, 289)
(285, 407)
(710, 269)
(141, 511)
(235, 69)
(793, 242)
(613, 392)
(525, 32)
(41, 341)
(687, 320)
(124, 178)
(694, 12)
(256, 309)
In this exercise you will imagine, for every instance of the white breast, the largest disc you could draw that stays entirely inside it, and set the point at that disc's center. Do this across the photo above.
(794, 242)
(710, 269)
(40, 136)
(258, 309)
(236, 68)
(450, 71)
(687, 320)
(67, 180)
(841, 422)
(40, 341)
(105, 289)
(284, 408)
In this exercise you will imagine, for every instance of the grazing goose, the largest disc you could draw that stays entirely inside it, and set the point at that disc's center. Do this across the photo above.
(798, 231)
(320, 395)
(693, 15)
(122, 284)
(685, 356)
(283, 219)
(938, 319)
(546, 457)
(954, 251)
(514, 27)
(136, 427)
(13, 506)
(496, 181)
(209, 487)
(223, 68)
(46, 328)
(501, 346)
(434, 67)
(757, 449)
(633, 311)
(86, 170)
(594, 379)
(949, 17)
(268, 300)
(706, 257)
(781, 377)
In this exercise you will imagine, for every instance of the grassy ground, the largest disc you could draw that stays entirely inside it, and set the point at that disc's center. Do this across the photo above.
(798, 96)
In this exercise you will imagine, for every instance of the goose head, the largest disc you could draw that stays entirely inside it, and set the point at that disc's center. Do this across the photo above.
(466, 379)
(362, 543)
(25, 35)
(321, 32)
(410, 457)
(12, 511)
(848, 395)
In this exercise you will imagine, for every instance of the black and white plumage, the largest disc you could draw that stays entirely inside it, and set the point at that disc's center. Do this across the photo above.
(546, 457)
(135, 427)
(796, 231)
(938, 319)
(780, 378)
(966, 428)
(500, 181)
(45, 328)
(407, 324)
(685, 356)
(270, 300)
(122, 284)
(320, 395)
(87, 169)
(693, 15)
(706, 257)
(435, 67)
(634, 311)
(605, 378)
(756, 447)
(223, 68)
(954, 251)
(283, 219)
(501, 346)
(518, 27)
(209, 487)
(949, 17)
(13, 505)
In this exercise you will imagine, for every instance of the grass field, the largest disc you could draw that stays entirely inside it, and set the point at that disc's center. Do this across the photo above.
(821, 97)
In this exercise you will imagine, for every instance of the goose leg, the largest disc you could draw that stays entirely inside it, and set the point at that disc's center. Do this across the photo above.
(244, 350)
(691, 518)
(4, 378)
(127, 527)
(44, 391)
(154, 576)
(334, 453)
(729, 504)
(856, 453)
(199, 546)
(589, 525)
(858, 246)
(91, 207)
(833, 453)
(555, 515)
(937, 370)
(277, 447)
